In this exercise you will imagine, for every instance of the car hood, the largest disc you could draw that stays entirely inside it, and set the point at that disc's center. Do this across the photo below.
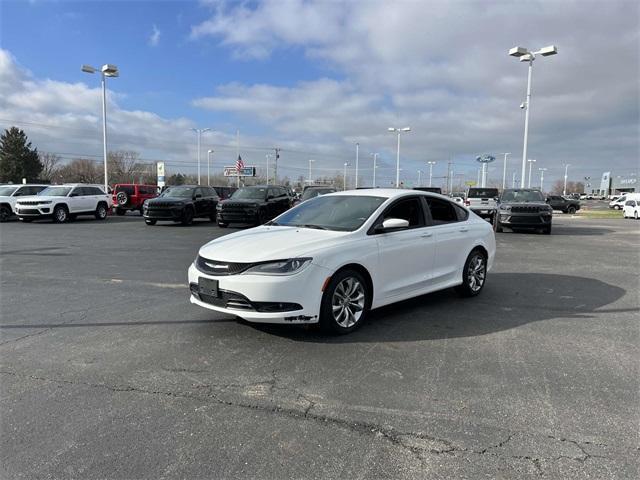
(271, 243)
(40, 198)
(243, 201)
(176, 200)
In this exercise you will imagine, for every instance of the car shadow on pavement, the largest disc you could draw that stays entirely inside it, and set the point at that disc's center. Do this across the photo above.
(564, 230)
(508, 301)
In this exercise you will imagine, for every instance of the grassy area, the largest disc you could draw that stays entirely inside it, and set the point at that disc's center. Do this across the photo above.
(600, 213)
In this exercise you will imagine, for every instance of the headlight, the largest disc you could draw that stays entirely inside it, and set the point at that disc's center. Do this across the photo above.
(280, 267)
(505, 207)
(219, 206)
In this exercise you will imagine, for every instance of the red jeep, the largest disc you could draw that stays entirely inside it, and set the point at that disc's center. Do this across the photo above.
(131, 196)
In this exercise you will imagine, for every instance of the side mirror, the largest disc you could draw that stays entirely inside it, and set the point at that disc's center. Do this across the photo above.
(392, 224)
(269, 197)
(197, 195)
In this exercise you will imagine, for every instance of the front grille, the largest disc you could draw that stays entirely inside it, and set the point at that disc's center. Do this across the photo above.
(527, 220)
(163, 205)
(525, 209)
(27, 202)
(226, 299)
(159, 212)
(221, 269)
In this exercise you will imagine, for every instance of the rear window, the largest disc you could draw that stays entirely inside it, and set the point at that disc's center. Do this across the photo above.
(128, 189)
(482, 193)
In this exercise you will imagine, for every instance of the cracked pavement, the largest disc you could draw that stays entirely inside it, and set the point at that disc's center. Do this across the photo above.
(107, 371)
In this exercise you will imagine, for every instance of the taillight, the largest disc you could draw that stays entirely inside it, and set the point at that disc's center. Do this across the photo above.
(467, 203)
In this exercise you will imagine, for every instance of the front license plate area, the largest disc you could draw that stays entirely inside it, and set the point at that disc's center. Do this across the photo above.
(208, 287)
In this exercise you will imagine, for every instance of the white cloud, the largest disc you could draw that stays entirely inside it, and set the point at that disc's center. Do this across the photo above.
(443, 68)
(154, 38)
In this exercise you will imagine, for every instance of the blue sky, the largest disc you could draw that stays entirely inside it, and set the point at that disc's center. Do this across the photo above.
(315, 77)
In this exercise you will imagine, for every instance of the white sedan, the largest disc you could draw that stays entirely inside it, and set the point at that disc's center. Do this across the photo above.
(334, 258)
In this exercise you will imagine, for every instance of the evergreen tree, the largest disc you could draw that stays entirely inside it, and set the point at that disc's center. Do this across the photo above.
(17, 159)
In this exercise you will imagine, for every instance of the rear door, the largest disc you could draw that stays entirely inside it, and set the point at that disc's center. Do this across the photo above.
(453, 236)
(406, 256)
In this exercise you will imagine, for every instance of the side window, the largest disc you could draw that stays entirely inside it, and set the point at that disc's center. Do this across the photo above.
(197, 191)
(442, 211)
(77, 191)
(37, 190)
(213, 193)
(410, 210)
(282, 193)
(272, 193)
(97, 191)
(22, 191)
(461, 212)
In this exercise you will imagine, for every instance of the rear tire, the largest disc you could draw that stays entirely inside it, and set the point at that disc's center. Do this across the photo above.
(635, 215)
(60, 214)
(149, 221)
(474, 274)
(101, 212)
(5, 214)
(345, 303)
(571, 210)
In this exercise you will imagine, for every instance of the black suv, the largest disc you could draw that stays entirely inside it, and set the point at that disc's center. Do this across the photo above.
(254, 205)
(523, 208)
(312, 192)
(567, 205)
(181, 204)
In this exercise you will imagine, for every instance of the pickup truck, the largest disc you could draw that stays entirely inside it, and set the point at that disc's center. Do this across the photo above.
(483, 202)
(565, 205)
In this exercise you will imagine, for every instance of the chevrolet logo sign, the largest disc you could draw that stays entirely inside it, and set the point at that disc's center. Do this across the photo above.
(217, 266)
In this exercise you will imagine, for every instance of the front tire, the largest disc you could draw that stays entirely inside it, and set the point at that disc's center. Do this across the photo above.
(150, 221)
(60, 214)
(345, 303)
(187, 217)
(474, 274)
(101, 212)
(571, 210)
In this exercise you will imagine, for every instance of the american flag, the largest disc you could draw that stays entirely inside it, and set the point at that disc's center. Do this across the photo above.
(239, 164)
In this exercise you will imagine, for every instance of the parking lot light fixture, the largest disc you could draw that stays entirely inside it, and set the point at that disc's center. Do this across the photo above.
(531, 162)
(209, 152)
(107, 70)
(310, 162)
(524, 55)
(566, 171)
(344, 180)
(375, 166)
(504, 170)
(398, 131)
(431, 164)
(199, 132)
(542, 170)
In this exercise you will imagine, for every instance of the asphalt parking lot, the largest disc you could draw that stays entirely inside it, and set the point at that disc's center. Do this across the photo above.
(107, 370)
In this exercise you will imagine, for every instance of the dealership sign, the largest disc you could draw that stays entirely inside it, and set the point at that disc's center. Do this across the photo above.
(244, 172)
(160, 170)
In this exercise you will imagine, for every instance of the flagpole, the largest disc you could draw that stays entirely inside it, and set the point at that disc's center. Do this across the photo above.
(238, 154)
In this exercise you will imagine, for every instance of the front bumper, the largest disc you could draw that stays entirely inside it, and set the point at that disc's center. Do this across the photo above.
(246, 216)
(525, 220)
(166, 213)
(33, 211)
(240, 294)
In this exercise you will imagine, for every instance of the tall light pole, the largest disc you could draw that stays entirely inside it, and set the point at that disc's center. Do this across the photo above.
(199, 131)
(357, 158)
(267, 157)
(419, 177)
(209, 152)
(375, 166)
(106, 70)
(531, 162)
(542, 170)
(566, 171)
(504, 170)
(398, 131)
(431, 164)
(310, 162)
(526, 56)
(513, 180)
(344, 180)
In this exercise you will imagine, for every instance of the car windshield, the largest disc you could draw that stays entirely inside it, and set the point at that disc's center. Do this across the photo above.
(55, 191)
(7, 191)
(250, 193)
(482, 193)
(183, 192)
(314, 192)
(334, 212)
(522, 196)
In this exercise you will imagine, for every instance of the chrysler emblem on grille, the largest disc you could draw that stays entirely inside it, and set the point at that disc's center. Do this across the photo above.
(217, 266)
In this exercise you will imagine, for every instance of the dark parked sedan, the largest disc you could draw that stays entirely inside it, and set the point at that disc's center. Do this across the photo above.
(182, 204)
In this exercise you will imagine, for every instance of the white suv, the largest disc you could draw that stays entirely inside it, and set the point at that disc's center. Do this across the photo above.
(64, 202)
(10, 194)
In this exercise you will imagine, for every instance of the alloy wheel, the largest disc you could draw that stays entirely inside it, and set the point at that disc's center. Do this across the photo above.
(348, 302)
(476, 273)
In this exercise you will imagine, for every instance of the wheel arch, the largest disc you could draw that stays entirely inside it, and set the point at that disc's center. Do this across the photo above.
(361, 269)
(61, 204)
(8, 205)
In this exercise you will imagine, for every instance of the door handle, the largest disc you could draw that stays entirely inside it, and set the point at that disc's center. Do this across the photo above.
(426, 235)
(464, 229)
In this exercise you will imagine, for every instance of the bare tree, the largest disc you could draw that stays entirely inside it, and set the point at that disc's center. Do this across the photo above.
(79, 170)
(50, 162)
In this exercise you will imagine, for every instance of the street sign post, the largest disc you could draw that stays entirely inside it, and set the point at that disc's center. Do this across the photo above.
(244, 172)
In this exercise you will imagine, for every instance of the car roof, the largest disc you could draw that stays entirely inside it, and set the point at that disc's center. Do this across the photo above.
(387, 193)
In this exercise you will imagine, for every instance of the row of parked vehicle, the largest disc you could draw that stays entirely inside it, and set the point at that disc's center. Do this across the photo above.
(224, 205)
